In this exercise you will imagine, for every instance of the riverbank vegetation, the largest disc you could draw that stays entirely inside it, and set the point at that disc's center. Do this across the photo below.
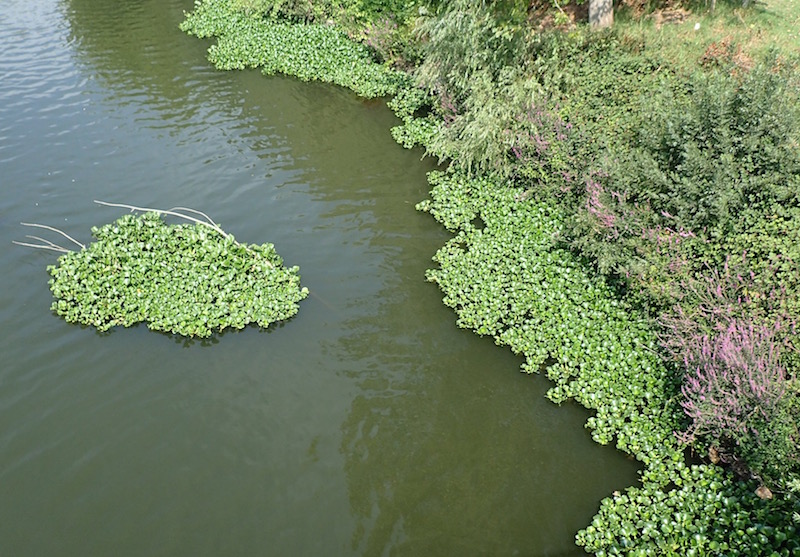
(625, 207)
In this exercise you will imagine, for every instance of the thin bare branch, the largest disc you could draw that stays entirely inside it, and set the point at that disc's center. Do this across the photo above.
(195, 211)
(38, 246)
(67, 236)
(167, 212)
(48, 242)
(213, 226)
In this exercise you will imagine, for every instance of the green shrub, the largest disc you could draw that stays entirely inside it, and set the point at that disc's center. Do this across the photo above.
(723, 148)
(471, 65)
(714, 157)
(774, 456)
(465, 41)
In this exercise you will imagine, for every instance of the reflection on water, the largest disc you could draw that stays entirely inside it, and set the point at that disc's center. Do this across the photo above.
(367, 425)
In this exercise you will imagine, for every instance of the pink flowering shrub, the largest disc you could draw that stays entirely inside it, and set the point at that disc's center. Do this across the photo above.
(735, 380)
(732, 340)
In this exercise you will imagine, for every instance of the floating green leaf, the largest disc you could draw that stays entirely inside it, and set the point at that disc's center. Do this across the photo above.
(311, 52)
(185, 279)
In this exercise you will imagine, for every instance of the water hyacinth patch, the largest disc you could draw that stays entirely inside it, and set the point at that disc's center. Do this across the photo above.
(710, 514)
(508, 280)
(311, 52)
(184, 279)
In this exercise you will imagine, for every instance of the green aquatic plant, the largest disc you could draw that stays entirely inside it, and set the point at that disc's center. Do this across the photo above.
(308, 51)
(187, 279)
(506, 278)
(710, 514)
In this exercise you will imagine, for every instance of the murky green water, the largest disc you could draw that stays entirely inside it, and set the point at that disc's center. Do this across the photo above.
(368, 425)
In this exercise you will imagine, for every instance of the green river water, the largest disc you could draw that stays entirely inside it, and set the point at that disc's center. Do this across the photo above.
(367, 425)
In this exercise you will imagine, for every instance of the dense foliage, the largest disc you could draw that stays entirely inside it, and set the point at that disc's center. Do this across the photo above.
(631, 228)
(312, 51)
(709, 513)
(714, 156)
(183, 279)
(473, 68)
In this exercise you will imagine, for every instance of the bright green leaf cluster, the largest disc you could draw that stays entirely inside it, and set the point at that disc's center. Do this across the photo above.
(503, 275)
(183, 279)
(311, 52)
(711, 513)
(412, 105)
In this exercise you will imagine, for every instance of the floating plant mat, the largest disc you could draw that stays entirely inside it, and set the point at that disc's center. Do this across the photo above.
(187, 279)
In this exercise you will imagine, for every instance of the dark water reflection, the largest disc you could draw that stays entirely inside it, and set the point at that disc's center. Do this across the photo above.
(367, 425)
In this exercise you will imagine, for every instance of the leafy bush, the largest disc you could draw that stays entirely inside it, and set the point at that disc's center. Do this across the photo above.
(770, 250)
(732, 338)
(467, 40)
(715, 155)
(182, 279)
(472, 65)
(725, 146)
(465, 37)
